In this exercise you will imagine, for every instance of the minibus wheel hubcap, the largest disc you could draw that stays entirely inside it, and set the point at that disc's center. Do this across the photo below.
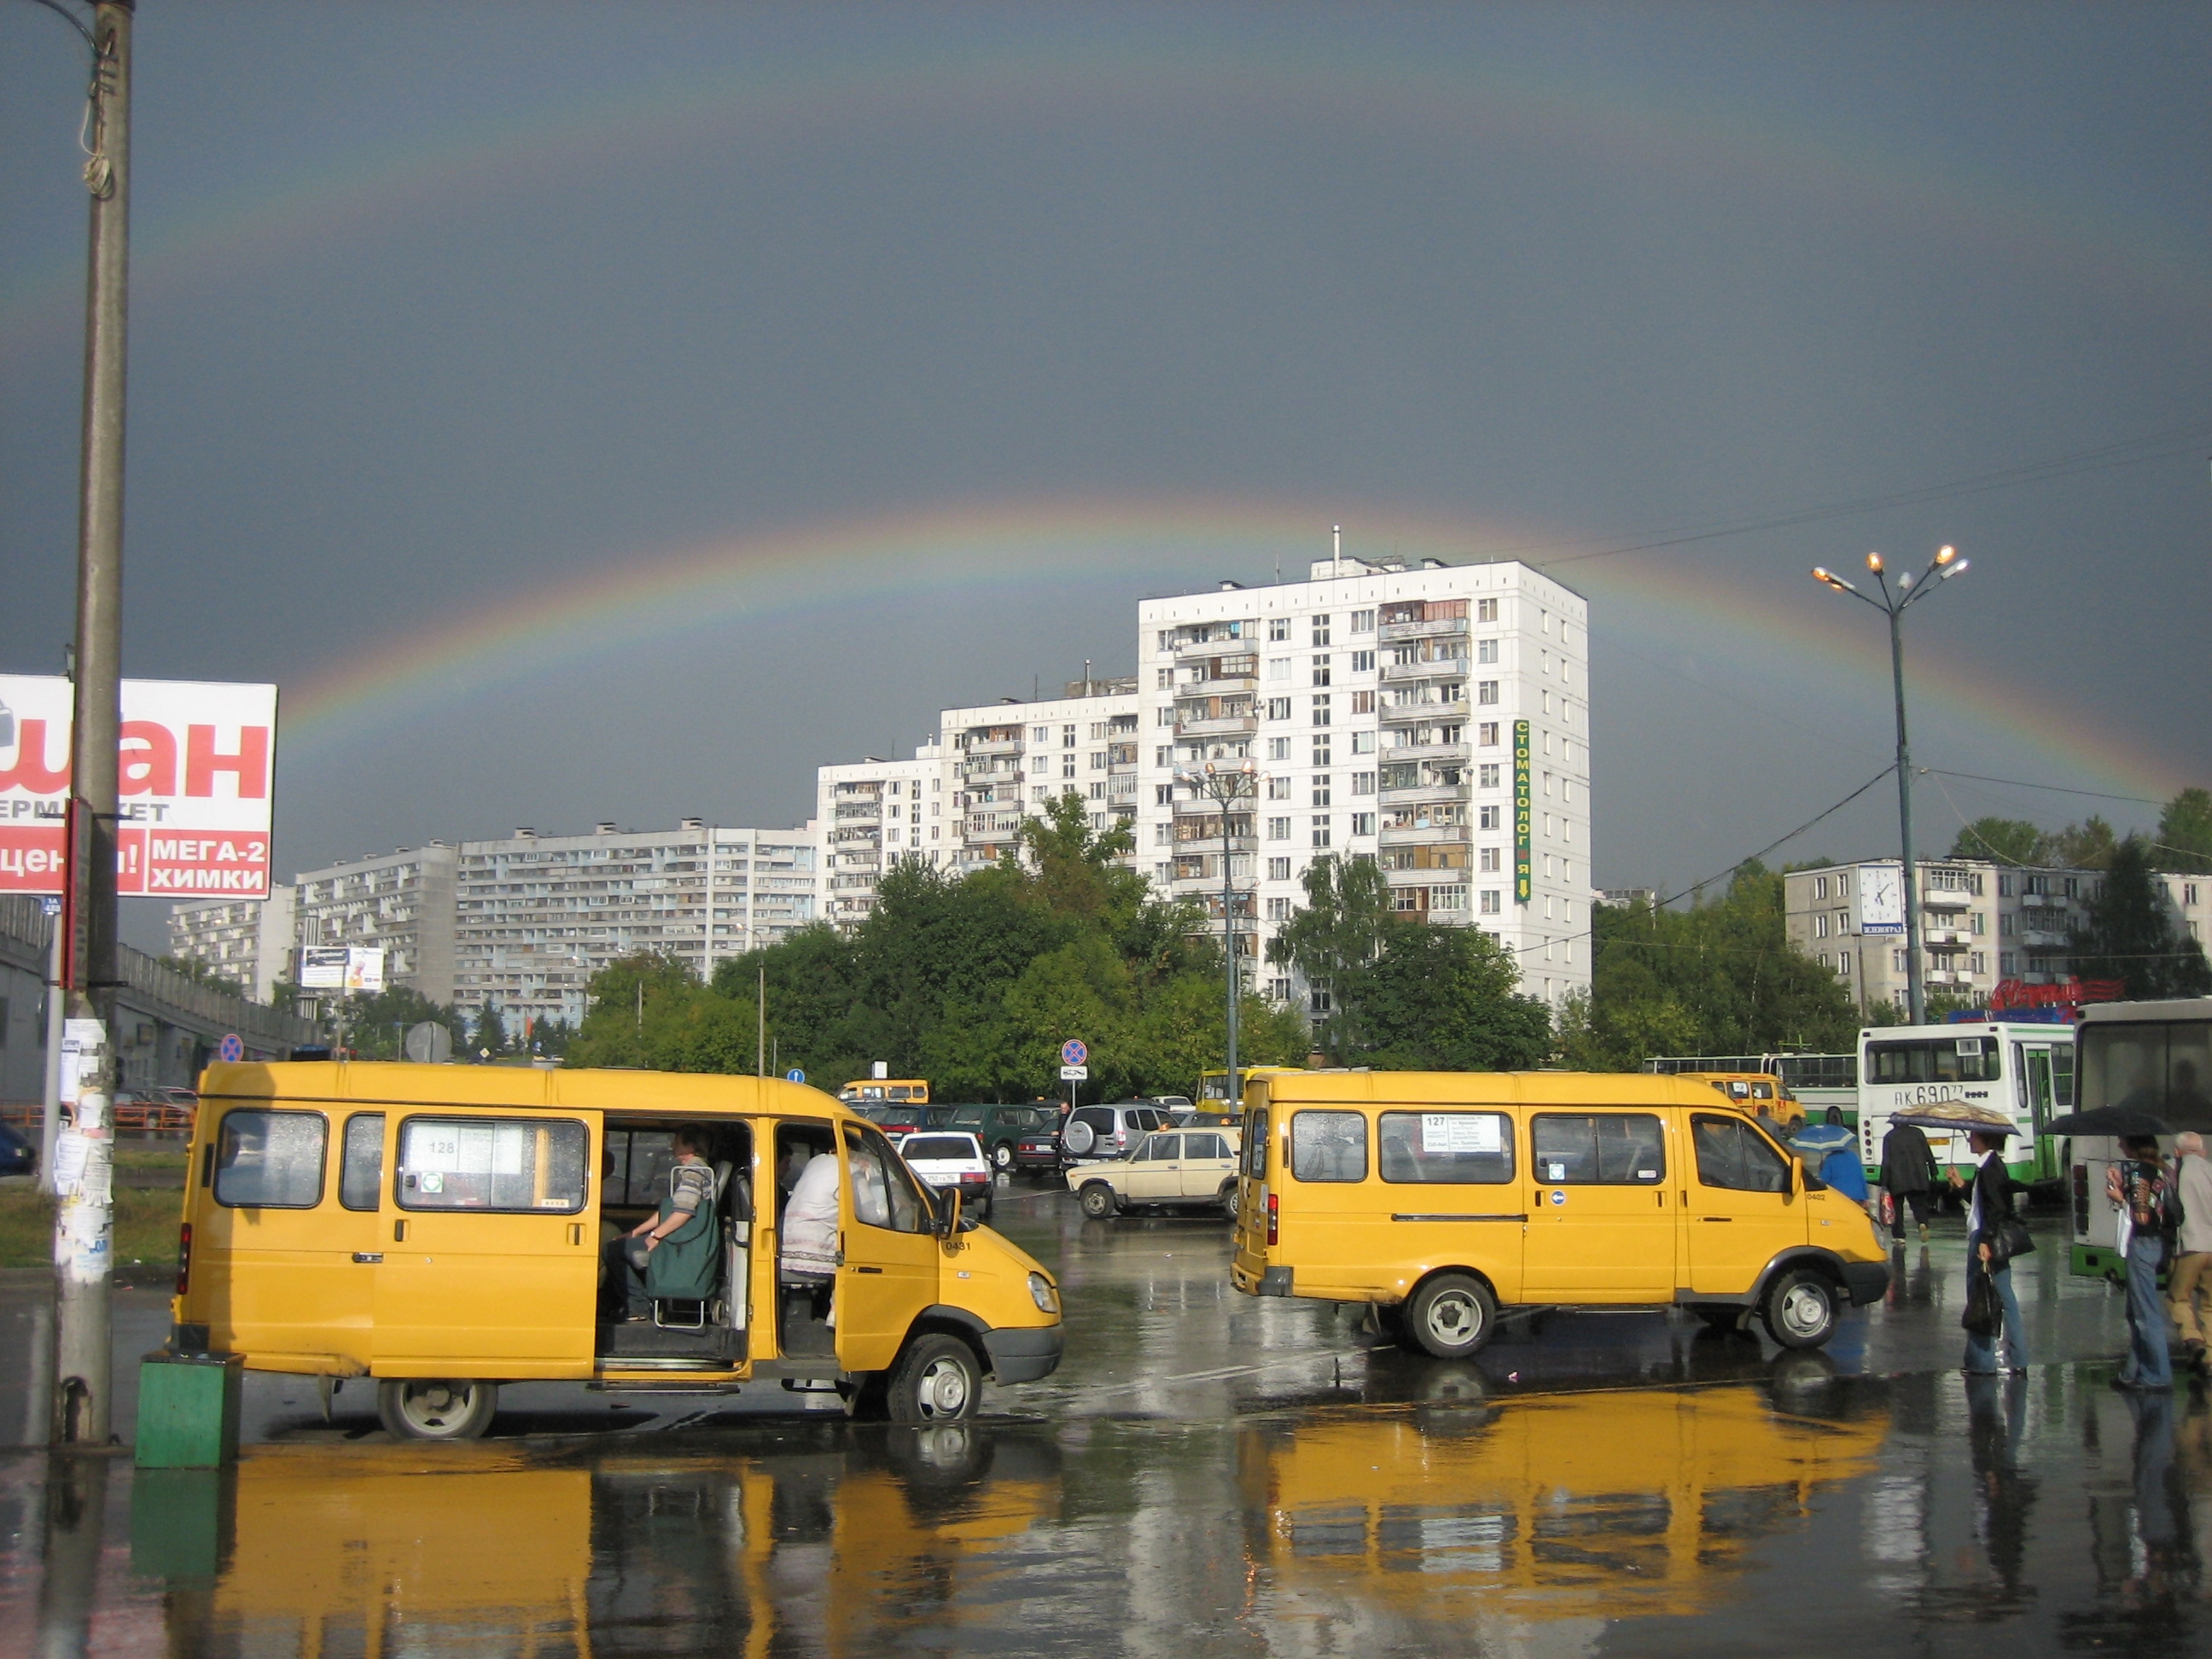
(944, 1388)
(1804, 1309)
(1452, 1316)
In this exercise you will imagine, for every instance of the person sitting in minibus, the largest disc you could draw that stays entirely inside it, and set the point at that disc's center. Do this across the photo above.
(809, 1245)
(671, 1255)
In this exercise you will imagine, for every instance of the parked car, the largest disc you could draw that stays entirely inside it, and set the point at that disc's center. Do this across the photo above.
(19, 1156)
(1095, 1131)
(1039, 1148)
(950, 1160)
(1171, 1168)
(1000, 1129)
(902, 1119)
(1203, 1117)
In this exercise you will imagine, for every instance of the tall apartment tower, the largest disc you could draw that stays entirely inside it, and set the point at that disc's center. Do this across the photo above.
(874, 813)
(248, 942)
(1433, 717)
(1010, 757)
(537, 915)
(402, 901)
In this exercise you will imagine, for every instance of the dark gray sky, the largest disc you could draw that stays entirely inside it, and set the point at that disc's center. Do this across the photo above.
(443, 313)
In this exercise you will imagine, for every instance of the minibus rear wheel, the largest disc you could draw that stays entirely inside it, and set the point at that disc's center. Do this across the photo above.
(1452, 1316)
(436, 1408)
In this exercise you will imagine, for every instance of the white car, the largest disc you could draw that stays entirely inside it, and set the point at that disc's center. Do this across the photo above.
(950, 1160)
(1172, 1168)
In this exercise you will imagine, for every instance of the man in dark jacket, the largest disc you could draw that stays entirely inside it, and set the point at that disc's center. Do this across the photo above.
(1908, 1176)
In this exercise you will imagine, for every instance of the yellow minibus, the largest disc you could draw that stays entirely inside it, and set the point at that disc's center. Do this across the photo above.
(1442, 1196)
(444, 1228)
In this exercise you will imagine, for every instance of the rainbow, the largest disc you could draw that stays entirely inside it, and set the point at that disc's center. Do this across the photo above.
(1164, 545)
(1353, 84)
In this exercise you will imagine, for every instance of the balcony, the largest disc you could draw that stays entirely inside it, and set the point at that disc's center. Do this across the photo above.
(1442, 667)
(1221, 726)
(1443, 626)
(1936, 938)
(1186, 847)
(1415, 837)
(1946, 901)
(1423, 794)
(1405, 712)
(2042, 939)
(1427, 751)
(1196, 648)
(996, 770)
(992, 745)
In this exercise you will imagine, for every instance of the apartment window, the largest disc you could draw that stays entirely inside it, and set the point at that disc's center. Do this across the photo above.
(1098, 760)
(1320, 831)
(1843, 922)
(1897, 961)
(1487, 775)
(1164, 755)
(1278, 749)
(1068, 737)
(1279, 668)
(1486, 734)
(1321, 671)
(1362, 703)
(1487, 816)
(1067, 766)
(1486, 650)
(1042, 735)
(2007, 963)
(1363, 742)
(1363, 824)
(1278, 829)
(1485, 611)
(1363, 783)
(1278, 628)
(2189, 892)
(1162, 835)
(1278, 788)
(1490, 898)
(1321, 749)
(1448, 898)
(1166, 681)
(1165, 715)
(1164, 873)
(1975, 922)
(1321, 791)
(1363, 622)
(1320, 711)
(1485, 692)
(1490, 859)
(1278, 909)
(1977, 962)
(1278, 709)
(2004, 886)
(1280, 869)
(1820, 924)
(1321, 630)
(1819, 887)
(1363, 662)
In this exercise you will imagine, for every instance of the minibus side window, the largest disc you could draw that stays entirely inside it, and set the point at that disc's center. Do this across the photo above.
(491, 1163)
(1328, 1146)
(1735, 1155)
(1255, 1144)
(270, 1160)
(1600, 1149)
(1468, 1148)
(883, 1190)
(360, 1173)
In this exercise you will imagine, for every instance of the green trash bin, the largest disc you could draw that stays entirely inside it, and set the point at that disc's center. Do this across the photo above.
(188, 1408)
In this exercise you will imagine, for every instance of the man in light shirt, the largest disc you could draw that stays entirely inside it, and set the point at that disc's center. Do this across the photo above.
(2189, 1285)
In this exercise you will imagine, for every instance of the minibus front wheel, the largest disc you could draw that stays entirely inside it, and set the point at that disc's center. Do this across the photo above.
(1452, 1316)
(935, 1380)
(436, 1408)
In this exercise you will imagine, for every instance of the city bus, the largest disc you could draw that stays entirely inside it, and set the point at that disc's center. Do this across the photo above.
(2024, 1070)
(1816, 1082)
(2157, 1055)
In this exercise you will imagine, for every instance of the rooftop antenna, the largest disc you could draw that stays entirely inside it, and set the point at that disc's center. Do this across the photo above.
(1336, 557)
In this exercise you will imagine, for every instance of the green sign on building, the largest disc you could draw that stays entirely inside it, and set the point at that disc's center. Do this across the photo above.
(1524, 865)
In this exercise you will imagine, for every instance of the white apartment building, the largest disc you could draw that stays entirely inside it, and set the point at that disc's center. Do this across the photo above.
(874, 813)
(535, 916)
(1983, 925)
(1434, 717)
(402, 901)
(1009, 758)
(248, 942)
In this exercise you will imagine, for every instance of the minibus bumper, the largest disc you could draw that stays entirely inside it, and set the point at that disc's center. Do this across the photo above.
(1025, 1355)
(1866, 1281)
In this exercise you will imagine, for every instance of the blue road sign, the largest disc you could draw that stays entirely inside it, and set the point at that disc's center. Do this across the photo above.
(794, 1075)
(1075, 1051)
(232, 1047)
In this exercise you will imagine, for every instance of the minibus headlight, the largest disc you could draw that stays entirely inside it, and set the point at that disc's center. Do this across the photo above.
(1041, 1293)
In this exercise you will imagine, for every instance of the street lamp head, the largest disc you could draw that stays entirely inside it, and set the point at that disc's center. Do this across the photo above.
(1873, 563)
(1822, 573)
(1945, 555)
(1958, 569)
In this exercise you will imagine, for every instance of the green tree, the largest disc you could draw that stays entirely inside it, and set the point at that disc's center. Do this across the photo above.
(2006, 840)
(1337, 935)
(489, 1037)
(2086, 846)
(376, 1025)
(2185, 833)
(2129, 933)
(626, 1001)
(1445, 999)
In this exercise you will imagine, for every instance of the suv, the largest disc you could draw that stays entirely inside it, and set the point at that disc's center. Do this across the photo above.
(1096, 1132)
(1003, 1130)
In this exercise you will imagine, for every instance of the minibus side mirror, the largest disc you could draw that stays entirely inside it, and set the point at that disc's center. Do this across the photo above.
(949, 1223)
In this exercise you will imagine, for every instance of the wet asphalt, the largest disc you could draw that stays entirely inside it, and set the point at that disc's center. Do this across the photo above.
(1207, 1473)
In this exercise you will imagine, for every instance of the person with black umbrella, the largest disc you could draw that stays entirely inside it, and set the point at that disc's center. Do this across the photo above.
(1993, 1238)
(2138, 1187)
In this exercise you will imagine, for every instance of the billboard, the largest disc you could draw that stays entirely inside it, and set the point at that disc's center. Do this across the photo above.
(198, 766)
(1524, 861)
(1881, 899)
(341, 967)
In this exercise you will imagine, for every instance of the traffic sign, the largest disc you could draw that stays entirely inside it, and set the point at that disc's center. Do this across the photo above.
(231, 1048)
(1075, 1051)
(1075, 1074)
(794, 1075)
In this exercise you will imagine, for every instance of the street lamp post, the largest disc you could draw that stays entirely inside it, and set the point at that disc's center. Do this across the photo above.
(1225, 788)
(1893, 604)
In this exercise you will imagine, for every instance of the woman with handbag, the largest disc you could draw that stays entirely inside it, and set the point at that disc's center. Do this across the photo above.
(1994, 1237)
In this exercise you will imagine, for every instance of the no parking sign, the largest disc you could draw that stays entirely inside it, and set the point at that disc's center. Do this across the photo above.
(231, 1048)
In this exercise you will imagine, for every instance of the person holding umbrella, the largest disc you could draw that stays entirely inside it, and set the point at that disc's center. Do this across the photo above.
(2138, 1186)
(1991, 1246)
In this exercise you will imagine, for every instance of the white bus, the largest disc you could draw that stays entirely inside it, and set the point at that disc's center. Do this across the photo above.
(2157, 1055)
(2024, 1070)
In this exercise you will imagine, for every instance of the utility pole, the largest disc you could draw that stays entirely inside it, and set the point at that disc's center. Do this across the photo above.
(84, 1216)
(1224, 789)
(760, 1032)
